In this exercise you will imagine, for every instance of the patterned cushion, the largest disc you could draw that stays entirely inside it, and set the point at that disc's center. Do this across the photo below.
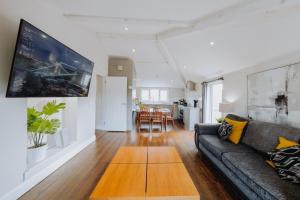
(224, 130)
(287, 163)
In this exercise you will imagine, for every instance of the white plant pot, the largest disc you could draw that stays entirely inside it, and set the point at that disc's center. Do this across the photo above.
(35, 155)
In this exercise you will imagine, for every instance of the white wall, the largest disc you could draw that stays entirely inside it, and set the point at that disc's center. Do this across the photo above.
(99, 103)
(191, 95)
(235, 84)
(13, 111)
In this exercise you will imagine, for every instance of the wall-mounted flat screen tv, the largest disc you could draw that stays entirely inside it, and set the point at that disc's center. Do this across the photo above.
(44, 67)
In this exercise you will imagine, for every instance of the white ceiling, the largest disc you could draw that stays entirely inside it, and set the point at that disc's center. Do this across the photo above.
(171, 34)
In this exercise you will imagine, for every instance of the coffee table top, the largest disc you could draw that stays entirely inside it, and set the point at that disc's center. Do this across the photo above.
(130, 154)
(170, 181)
(154, 173)
(121, 181)
(163, 155)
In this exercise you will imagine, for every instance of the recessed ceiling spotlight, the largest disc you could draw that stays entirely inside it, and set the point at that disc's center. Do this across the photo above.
(184, 67)
(133, 50)
(212, 43)
(126, 28)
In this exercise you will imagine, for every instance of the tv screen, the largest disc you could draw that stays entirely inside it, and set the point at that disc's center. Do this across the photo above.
(44, 67)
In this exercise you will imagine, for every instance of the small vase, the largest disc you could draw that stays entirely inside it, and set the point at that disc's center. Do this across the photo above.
(35, 155)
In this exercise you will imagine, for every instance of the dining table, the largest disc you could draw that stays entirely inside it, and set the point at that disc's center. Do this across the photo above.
(165, 112)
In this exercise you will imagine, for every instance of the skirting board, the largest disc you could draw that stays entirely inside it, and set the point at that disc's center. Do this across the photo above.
(34, 180)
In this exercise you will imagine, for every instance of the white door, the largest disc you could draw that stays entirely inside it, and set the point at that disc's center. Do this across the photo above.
(115, 103)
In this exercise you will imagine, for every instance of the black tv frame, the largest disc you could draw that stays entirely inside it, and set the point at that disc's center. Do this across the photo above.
(14, 57)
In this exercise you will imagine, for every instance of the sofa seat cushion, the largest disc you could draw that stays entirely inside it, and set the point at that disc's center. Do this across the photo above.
(252, 169)
(217, 146)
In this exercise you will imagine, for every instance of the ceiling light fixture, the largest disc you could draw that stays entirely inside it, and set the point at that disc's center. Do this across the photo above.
(126, 28)
(133, 50)
(184, 66)
(212, 43)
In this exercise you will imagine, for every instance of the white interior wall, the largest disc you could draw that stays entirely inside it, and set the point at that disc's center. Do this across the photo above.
(235, 84)
(191, 95)
(13, 111)
(13, 142)
(99, 103)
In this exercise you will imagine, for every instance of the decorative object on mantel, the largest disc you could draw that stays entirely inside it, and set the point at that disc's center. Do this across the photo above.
(273, 95)
(39, 124)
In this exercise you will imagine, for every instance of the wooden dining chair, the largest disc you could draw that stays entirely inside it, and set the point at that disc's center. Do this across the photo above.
(157, 118)
(144, 118)
(145, 109)
(156, 108)
(170, 117)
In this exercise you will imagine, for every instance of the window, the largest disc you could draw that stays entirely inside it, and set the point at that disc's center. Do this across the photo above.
(163, 95)
(213, 99)
(216, 100)
(154, 95)
(145, 95)
(134, 94)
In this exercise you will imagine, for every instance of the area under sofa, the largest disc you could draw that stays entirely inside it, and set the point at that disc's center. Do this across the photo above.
(243, 163)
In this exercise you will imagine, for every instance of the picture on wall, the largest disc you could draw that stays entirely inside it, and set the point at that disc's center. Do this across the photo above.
(273, 95)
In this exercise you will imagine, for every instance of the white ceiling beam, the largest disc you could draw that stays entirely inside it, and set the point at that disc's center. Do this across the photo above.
(144, 21)
(170, 59)
(127, 36)
(210, 20)
(229, 14)
(151, 62)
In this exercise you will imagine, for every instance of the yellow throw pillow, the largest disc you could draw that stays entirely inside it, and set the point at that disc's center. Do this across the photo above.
(237, 130)
(283, 143)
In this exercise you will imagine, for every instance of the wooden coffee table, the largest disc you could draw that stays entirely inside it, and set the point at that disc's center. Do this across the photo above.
(154, 173)
(130, 155)
(163, 155)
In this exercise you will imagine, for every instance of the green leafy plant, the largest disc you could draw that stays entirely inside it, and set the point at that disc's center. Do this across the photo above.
(39, 124)
(220, 119)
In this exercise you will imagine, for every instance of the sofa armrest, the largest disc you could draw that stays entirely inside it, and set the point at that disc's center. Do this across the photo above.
(205, 129)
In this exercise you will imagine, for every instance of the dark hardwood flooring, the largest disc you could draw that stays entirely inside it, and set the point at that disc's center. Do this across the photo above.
(76, 179)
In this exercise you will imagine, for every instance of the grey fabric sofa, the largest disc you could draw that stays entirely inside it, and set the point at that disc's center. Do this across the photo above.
(244, 163)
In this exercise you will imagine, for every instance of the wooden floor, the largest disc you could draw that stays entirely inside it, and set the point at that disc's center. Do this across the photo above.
(77, 178)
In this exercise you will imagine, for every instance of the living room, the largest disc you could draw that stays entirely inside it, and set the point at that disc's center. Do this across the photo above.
(174, 99)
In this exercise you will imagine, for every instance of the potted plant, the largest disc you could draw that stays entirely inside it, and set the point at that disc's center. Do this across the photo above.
(220, 119)
(39, 123)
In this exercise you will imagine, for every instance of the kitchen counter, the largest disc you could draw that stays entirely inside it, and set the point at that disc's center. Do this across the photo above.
(191, 116)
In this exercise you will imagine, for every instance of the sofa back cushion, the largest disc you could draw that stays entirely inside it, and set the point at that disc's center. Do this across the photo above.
(263, 136)
(236, 118)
